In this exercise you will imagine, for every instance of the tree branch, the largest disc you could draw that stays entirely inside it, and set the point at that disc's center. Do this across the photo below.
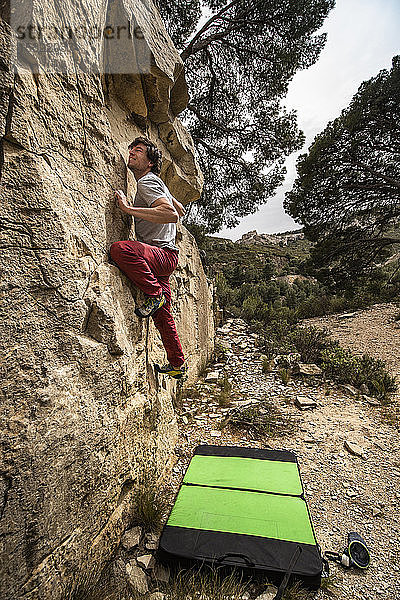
(196, 44)
(213, 123)
(374, 172)
(189, 50)
(221, 154)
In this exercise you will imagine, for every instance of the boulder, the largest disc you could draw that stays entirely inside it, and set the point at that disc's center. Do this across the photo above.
(350, 389)
(307, 370)
(82, 414)
(268, 594)
(212, 377)
(145, 561)
(304, 402)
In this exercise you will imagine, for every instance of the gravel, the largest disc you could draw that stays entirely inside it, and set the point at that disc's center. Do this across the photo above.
(345, 492)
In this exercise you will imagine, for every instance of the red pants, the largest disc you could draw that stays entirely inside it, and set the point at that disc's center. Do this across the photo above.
(150, 267)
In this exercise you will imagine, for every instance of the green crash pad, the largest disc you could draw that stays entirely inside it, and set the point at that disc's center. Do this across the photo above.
(236, 472)
(246, 513)
(244, 507)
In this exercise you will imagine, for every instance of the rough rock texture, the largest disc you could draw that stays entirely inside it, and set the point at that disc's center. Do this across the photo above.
(82, 414)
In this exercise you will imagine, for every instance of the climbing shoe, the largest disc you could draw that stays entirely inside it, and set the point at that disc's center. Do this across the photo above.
(151, 304)
(356, 554)
(176, 373)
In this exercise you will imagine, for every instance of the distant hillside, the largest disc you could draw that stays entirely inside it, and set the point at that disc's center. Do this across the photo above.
(267, 279)
(252, 238)
(285, 250)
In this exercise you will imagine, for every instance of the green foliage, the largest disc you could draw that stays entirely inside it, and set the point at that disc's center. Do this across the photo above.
(224, 395)
(274, 308)
(324, 304)
(199, 234)
(284, 374)
(253, 307)
(266, 366)
(345, 367)
(275, 337)
(180, 18)
(220, 353)
(238, 66)
(268, 270)
(224, 292)
(341, 365)
(347, 194)
(310, 342)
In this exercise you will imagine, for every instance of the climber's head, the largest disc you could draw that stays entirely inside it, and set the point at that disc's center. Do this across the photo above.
(144, 156)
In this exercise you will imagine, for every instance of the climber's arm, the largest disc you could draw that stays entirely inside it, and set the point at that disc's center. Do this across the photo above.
(160, 211)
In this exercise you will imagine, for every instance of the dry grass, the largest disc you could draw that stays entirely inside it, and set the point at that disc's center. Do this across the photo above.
(205, 583)
(149, 502)
(261, 419)
(224, 395)
(284, 375)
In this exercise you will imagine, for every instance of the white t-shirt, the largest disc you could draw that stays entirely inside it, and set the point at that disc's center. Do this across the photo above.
(149, 189)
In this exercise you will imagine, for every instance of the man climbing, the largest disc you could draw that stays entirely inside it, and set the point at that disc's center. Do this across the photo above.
(150, 261)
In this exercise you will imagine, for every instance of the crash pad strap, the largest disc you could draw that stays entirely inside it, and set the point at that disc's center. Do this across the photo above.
(258, 453)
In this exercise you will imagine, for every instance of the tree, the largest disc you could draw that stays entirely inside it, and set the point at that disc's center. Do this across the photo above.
(347, 193)
(268, 269)
(238, 66)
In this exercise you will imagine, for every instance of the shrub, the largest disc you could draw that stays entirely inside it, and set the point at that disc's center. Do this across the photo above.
(284, 374)
(269, 348)
(266, 365)
(275, 335)
(341, 365)
(345, 367)
(260, 419)
(219, 353)
(310, 342)
(224, 396)
(253, 308)
(319, 305)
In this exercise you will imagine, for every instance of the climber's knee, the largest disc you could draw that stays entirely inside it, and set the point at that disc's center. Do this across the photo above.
(115, 250)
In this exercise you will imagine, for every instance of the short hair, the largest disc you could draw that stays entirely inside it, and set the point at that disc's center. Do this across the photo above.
(153, 153)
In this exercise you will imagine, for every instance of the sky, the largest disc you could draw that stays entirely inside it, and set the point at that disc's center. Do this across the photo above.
(363, 37)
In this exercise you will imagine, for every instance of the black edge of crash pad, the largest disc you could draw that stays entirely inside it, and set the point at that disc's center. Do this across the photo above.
(258, 553)
(237, 451)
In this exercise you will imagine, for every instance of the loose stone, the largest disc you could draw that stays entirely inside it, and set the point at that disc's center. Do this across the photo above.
(131, 538)
(136, 578)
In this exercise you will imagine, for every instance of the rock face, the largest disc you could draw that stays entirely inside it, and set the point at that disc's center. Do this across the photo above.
(82, 413)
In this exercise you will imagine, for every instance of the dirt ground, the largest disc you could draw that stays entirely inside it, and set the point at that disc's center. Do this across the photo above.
(345, 492)
(372, 331)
